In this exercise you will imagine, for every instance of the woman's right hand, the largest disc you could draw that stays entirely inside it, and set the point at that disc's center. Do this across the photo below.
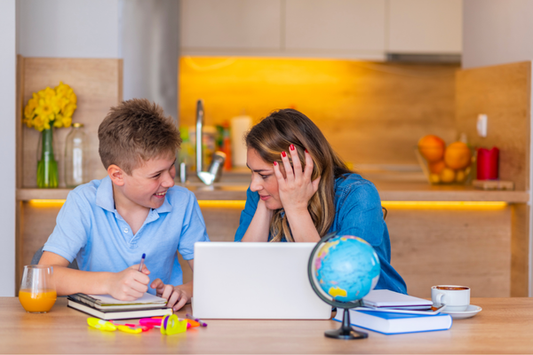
(295, 188)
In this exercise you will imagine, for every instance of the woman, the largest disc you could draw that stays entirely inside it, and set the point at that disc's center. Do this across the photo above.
(299, 181)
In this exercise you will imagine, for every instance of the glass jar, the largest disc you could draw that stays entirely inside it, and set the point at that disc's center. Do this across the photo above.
(76, 156)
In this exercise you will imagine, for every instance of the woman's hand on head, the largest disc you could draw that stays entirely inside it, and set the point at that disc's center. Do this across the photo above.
(296, 187)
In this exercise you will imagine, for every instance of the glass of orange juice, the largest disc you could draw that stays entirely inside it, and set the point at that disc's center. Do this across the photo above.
(37, 291)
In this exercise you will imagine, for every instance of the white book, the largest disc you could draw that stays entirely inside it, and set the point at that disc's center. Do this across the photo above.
(391, 299)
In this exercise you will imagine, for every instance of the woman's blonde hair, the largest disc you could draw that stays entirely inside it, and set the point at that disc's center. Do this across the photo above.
(273, 135)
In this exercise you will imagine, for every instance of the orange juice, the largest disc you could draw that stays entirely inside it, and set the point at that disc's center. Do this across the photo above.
(37, 301)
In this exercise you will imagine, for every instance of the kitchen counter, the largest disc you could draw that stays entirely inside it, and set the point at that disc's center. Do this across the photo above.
(388, 190)
(393, 184)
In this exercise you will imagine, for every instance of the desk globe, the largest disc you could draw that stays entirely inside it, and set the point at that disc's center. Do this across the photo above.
(342, 270)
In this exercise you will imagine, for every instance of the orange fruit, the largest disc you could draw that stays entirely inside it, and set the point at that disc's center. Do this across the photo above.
(457, 156)
(460, 176)
(432, 148)
(434, 178)
(436, 168)
(447, 175)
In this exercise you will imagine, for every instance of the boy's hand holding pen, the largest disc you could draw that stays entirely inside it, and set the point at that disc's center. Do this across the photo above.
(129, 284)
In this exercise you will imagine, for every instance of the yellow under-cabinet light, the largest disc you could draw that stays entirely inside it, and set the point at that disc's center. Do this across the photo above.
(46, 202)
(387, 204)
(445, 204)
(222, 203)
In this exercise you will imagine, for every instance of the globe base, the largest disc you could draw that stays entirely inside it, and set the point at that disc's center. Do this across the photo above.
(345, 331)
(344, 334)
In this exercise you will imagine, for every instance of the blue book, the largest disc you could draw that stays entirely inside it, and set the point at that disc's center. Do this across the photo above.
(396, 323)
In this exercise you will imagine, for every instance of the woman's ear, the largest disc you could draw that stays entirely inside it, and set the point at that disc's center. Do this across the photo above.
(116, 174)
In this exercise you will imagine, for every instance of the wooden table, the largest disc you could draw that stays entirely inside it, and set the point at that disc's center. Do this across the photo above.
(505, 325)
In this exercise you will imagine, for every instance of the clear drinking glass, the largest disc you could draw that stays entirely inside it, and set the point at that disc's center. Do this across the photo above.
(37, 291)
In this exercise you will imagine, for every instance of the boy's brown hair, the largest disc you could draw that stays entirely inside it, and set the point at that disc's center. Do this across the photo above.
(135, 131)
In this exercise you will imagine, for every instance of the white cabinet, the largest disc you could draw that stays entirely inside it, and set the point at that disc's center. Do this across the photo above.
(339, 28)
(358, 29)
(425, 26)
(230, 26)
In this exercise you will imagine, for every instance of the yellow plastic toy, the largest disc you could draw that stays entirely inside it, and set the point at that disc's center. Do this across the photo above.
(127, 329)
(172, 325)
(101, 324)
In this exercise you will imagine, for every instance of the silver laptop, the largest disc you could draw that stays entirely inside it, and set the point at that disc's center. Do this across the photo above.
(254, 281)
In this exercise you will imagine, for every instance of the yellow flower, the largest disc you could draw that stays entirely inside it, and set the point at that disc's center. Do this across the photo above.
(72, 97)
(62, 102)
(46, 93)
(45, 110)
(58, 122)
(50, 107)
(69, 110)
(67, 121)
(28, 122)
(38, 123)
(29, 109)
(62, 89)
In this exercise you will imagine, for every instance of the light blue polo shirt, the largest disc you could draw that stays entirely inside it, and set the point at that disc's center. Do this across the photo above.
(89, 228)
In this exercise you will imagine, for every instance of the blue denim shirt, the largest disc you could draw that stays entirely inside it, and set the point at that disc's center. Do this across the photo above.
(357, 212)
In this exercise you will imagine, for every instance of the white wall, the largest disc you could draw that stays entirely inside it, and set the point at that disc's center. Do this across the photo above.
(497, 32)
(69, 28)
(7, 145)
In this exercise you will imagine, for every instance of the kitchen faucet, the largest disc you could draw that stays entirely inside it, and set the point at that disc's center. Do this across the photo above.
(215, 168)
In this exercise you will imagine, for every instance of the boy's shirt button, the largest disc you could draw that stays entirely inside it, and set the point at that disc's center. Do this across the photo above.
(125, 230)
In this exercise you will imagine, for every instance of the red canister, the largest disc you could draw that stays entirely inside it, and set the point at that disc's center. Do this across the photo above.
(487, 163)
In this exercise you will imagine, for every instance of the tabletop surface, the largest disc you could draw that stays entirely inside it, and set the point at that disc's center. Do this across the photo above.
(505, 325)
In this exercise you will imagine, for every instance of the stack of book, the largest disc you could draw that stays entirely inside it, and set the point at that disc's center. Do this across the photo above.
(106, 307)
(389, 312)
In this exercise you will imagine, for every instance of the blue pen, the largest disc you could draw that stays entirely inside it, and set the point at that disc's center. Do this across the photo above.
(142, 262)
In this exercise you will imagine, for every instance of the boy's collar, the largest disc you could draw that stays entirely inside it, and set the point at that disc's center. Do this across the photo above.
(105, 200)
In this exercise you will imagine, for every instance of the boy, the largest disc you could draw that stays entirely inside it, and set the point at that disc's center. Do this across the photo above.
(107, 225)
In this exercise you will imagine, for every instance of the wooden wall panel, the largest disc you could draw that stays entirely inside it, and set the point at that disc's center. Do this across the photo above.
(452, 246)
(520, 236)
(503, 93)
(372, 113)
(38, 224)
(98, 85)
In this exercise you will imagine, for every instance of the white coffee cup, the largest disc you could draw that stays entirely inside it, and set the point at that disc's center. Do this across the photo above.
(456, 298)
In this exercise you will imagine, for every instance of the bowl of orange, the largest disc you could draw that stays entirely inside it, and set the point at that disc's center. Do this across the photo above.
(445, 164)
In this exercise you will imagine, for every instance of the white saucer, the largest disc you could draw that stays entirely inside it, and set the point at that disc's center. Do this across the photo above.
(470, 311)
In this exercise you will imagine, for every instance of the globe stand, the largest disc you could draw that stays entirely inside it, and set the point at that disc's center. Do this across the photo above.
(346, 331)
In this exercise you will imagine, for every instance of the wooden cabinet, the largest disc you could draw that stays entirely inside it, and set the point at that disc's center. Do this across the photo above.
(230, 26)
(336, 28)
(358, 29)
(421, 26)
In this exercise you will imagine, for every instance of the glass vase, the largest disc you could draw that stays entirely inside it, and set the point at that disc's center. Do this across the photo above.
(76, 156)
(47, 172)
